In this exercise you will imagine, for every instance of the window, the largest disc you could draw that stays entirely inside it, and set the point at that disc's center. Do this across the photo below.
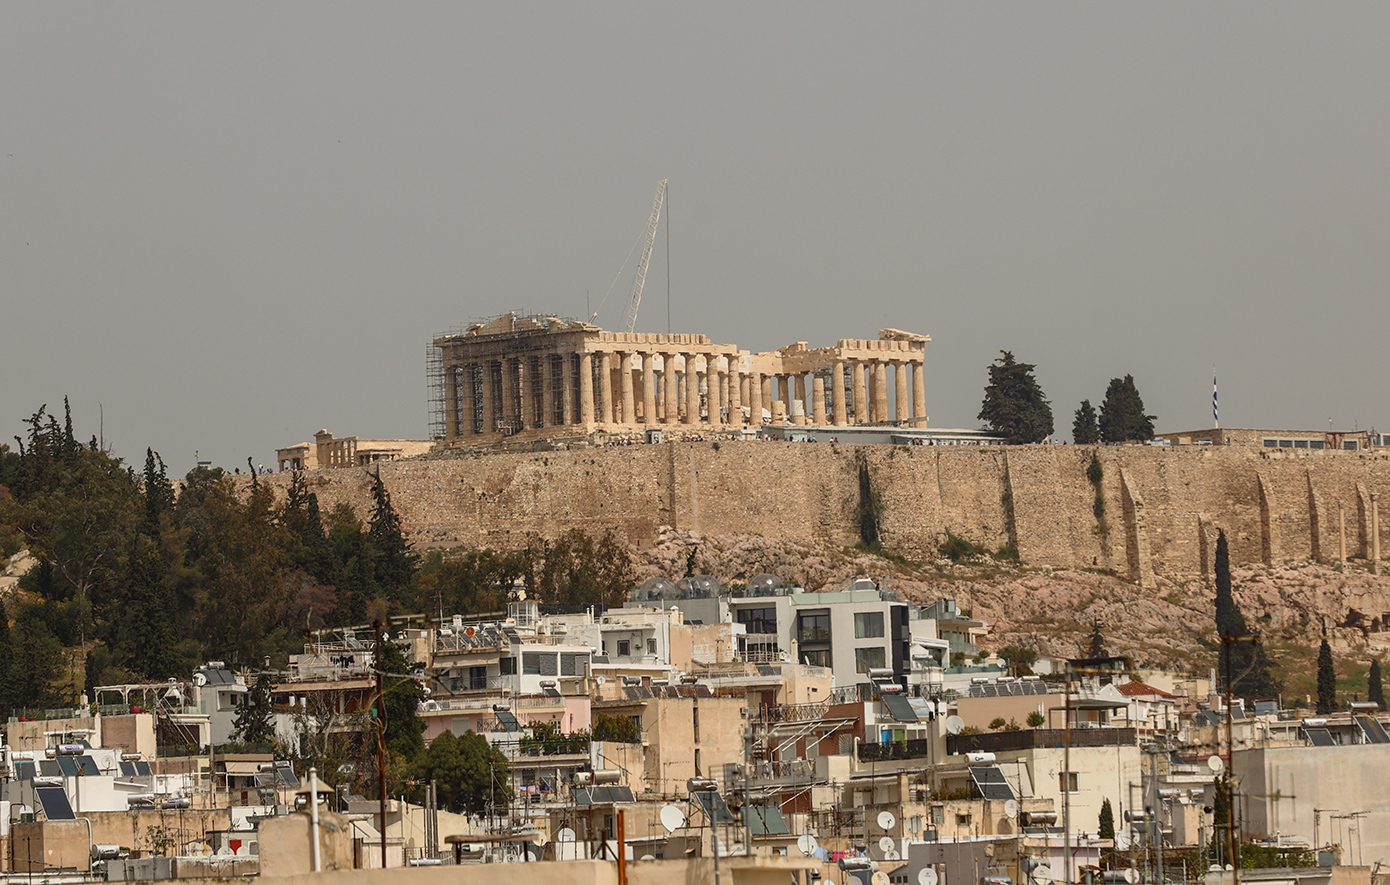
(573, 664)
(813, 627)
(508, 666)
(1067, 781)
(816, 657)
(651, 646)
(757, 620)
(624, 648)
(868, 625)
(866, 658)
(938, 815)
(539, 664)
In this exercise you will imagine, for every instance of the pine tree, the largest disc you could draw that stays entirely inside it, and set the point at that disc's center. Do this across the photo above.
(1374, 690)
(1327, 680)
(1014, 406)
(1122, 417)
(1084, 429)
(1107, 821)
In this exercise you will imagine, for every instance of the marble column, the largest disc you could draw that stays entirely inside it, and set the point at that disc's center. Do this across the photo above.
(692, 390)
(799, 393)
(723, 414)
(603, 411)
(818, 401)
(648, 389)
(861, 399)
(629, 401)
(919, 394)
(508, 392)
(586, 387)
(548, 390)
(672, 412)
(755, 398)
(735, 393)
(900, 395)
(488, 425)
(837, 392)
(527, 407)
(879, 406)
(452, 423)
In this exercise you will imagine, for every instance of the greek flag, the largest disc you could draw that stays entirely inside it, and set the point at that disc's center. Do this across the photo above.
(1215, 413)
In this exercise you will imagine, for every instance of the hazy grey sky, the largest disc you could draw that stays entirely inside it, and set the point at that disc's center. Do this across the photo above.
(233, 224)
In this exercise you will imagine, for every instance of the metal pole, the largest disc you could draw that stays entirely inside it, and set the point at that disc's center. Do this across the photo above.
(380, 739)
(1234, 861)
(314, 819)
(1066, 781)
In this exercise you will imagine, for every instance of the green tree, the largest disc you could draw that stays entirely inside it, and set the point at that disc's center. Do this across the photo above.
(7, 663)
(1122, 417)
(1327, 680)
(997, 723)
(1375, 692)
(1014, 406)
(1084, 430)
(577, 570)
(255, 722)
(404, 728)
(1035, 719)
(396, 563)
(1107, 821)
(1019, 660)
(617, 729)
(1249, 664)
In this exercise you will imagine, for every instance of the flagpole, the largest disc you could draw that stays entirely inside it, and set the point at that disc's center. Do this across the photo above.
(1215, 413)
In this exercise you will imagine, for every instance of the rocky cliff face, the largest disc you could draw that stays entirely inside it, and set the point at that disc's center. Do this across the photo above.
(1171, 624)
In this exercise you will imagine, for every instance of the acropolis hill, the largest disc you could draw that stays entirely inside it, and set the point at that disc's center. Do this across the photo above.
(1162, 506)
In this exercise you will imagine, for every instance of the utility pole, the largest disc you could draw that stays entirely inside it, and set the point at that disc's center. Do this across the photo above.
(380, 738)
(1226, 641)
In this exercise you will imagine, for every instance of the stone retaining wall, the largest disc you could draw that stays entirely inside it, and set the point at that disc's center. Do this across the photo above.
(1162, 506)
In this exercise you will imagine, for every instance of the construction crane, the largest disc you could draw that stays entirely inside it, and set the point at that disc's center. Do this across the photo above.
(630, 318)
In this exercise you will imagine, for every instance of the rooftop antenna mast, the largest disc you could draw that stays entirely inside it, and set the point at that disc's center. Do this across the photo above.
(630, 318)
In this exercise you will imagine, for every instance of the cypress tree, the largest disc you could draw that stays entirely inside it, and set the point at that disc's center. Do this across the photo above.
(1084, 429)
(1122, 417)
(1014, 406)
(1107, 821)
(1247, 659)
(1374, 691)
(1327, 680)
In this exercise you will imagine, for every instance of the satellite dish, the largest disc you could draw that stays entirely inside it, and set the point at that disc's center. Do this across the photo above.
(1216, 764)
(806, 844)
(1042, 875)
(1131, 875)
(926, 876)
(225, 851)
(954, 725)
(885, 844)
(199, 679)
(600, 679)
(879, 878)
(672, 818)
(1011, 807)
(565, 835)
(914, 824)
(649, 857)
(892, 855)
(886, 820)
(1122, 839)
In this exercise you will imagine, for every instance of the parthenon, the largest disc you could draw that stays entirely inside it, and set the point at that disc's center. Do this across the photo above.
(537, 376)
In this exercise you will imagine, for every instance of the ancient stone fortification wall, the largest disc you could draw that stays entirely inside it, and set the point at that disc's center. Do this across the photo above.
(1162, 506)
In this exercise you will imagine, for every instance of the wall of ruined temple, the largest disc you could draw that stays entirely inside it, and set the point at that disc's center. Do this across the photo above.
(1161, 506)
